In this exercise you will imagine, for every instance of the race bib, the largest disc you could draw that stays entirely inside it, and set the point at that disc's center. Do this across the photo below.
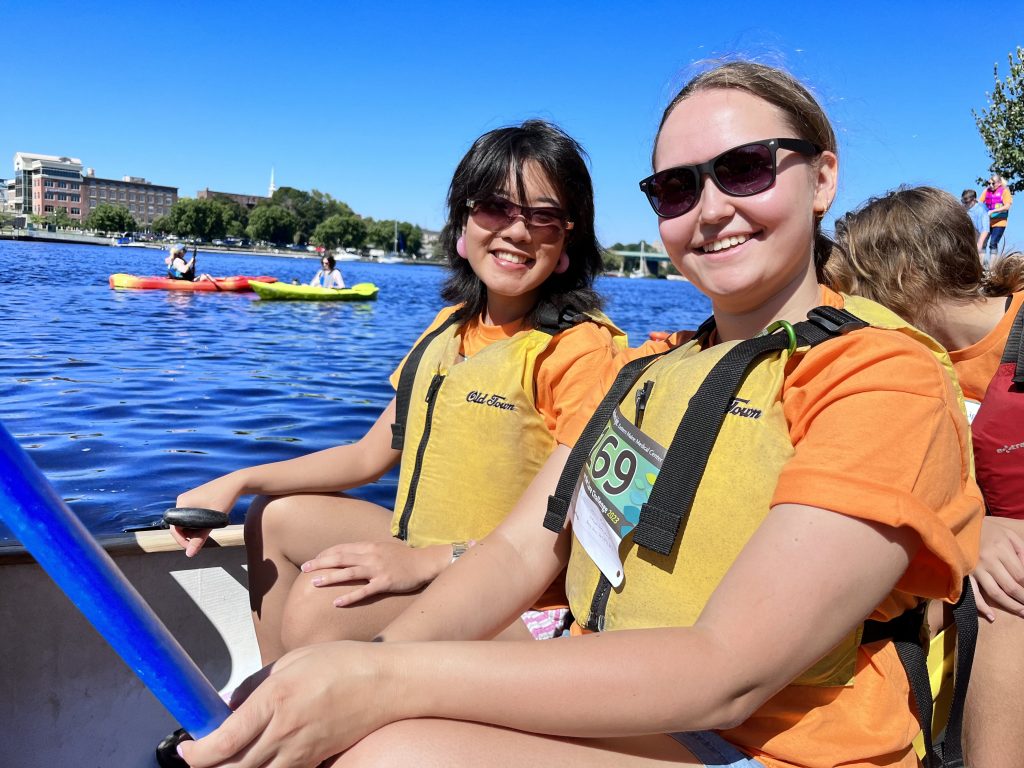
(617, 481)
(972, 407)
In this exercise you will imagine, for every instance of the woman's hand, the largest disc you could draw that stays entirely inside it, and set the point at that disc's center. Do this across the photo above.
(386, 566)
(219, 494)
(309, 705)
(998, 579)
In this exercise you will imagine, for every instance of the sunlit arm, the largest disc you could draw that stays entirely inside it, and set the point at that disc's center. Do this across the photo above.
(320, 700)
(330, 470)
(712, 675)
(496, 580)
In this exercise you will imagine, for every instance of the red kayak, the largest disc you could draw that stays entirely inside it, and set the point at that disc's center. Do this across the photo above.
(235, 283)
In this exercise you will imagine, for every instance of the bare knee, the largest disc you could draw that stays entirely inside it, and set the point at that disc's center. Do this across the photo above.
(308, 616)
(407, 742)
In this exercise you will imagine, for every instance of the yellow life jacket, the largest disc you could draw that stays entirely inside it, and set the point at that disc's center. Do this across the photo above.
(714, 486)
(471, 435)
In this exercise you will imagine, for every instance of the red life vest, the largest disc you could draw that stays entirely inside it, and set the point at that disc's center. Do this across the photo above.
(998, 431)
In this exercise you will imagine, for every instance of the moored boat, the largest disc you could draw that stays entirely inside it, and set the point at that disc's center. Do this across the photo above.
(286, 291)
(234, 283)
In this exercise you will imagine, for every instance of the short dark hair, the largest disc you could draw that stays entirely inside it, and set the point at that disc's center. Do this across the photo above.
(485, 170)
(968, 196)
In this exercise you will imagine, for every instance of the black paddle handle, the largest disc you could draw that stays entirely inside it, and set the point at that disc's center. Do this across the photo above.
(195, 518)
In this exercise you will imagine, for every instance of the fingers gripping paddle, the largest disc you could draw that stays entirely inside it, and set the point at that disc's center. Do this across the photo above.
(45, 526)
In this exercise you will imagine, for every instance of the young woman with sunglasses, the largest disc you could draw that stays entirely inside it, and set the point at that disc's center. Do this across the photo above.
(328, 276)
(505, 368)
(913, 251)
(837, 489)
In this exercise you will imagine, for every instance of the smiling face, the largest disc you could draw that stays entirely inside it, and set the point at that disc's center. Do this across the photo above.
(514, 262)
(752, 256)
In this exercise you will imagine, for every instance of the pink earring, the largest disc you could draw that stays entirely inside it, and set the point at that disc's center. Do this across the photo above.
(563, 263)
(460, 246)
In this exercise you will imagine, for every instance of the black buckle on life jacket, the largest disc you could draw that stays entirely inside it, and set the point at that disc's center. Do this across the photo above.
(553, 321)
(835, 321)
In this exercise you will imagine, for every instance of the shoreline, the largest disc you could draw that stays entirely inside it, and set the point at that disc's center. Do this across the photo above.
(75, 238)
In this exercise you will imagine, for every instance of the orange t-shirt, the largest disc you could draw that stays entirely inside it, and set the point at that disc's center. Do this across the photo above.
(568, 371)
(878, 435)
(976, 365)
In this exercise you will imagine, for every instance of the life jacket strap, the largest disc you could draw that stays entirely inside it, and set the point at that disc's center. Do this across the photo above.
(560, 501)
(552, 320)
(682, 469)
(1013, 352)
(407, 379)
(907, 632)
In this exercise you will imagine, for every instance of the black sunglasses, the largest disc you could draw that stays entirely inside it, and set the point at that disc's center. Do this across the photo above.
(740, 172)
(496, 213)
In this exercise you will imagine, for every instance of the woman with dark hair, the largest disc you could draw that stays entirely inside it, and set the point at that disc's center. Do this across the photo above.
(912, 250)
(494, 384)
(328, 276)
(744, 507)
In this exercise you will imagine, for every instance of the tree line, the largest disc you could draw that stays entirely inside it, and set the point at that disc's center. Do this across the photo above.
(290, 216)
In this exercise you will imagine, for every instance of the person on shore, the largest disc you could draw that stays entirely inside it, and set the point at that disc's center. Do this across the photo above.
(177, 266)
(912, 250)
(328, 276)
(979, 217)
(492, 387)
(998, 201)
(719, 612)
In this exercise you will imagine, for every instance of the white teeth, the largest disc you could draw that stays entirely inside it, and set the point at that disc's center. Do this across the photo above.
(725, 242)
(509, 257)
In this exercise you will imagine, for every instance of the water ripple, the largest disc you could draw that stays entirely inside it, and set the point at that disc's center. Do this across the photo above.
(126, 399)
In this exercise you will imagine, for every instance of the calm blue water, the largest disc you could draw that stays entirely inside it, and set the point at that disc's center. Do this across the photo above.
(126, 398)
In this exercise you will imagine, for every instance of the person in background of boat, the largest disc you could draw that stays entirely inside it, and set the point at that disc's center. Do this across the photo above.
(177, 267)
(838, 489)
(979, 217)
(328, 276)
(913, 251)
(998, 201)
(505, 368)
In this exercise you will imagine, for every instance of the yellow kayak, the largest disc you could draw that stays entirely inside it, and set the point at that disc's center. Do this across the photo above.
(286, 291)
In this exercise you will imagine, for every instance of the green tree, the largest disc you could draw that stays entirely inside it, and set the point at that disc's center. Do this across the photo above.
(204, 219)
(1001, 123)
(340, 231)
(272, 223)
(309, 208)
(162, 225)
(110, 218)
(235, 215)
(60, 218)
(381, 234)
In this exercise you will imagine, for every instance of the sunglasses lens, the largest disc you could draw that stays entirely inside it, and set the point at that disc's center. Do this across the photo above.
(492, 214)
(745, 170)
(672, 192)
(546, 217)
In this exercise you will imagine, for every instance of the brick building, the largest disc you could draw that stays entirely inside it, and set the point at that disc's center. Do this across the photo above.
(44, 183)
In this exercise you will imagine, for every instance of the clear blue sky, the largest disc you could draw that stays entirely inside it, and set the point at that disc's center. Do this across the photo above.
(374, 102)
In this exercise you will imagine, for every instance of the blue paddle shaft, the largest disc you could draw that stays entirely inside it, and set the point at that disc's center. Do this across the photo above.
(67, 552)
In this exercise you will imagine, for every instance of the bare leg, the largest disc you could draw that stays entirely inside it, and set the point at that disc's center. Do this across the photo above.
(281, 534)
(452, 744)
(993, 725)
(287, 610)
(310, 616)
